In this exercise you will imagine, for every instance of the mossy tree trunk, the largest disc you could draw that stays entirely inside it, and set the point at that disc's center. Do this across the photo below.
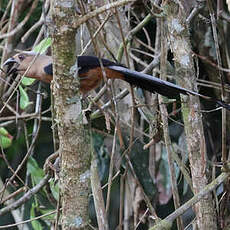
(73, 135)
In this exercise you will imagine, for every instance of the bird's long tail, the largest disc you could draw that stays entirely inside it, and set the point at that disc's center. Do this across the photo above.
(156, 85)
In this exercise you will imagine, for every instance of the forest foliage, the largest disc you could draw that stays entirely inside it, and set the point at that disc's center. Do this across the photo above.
(153, 154)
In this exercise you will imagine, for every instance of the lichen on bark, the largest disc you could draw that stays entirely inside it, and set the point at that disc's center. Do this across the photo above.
(73, 135)
(178, 36)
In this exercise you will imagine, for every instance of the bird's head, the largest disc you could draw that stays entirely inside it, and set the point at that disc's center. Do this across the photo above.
(33, 64)
(20, 62)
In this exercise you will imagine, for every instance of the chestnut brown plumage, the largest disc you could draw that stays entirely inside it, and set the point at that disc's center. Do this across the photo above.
(91, 74)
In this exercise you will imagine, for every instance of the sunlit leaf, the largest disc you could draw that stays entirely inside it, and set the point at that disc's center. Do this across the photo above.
(24, 99)
(27, 81)
(5, 138)
(43, 46)
(3, 131)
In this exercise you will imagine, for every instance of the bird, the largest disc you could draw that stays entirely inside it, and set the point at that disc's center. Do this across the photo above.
(91, 70)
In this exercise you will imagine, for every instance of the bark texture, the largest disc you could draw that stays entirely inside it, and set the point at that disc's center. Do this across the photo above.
(178, 36)
(74, 138)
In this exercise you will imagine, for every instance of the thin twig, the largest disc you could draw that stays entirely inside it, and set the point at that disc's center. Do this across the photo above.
(219, 61)
(26, 196)
(22, 23)
(100, 10)
(27, 221)
(182, 209)
(39, 23)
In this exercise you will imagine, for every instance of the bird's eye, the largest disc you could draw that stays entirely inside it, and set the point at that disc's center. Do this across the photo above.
(21, 57)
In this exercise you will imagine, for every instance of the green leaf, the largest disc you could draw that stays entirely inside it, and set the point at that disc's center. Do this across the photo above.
(3, 131)
(24, 99)
(5, 138)
(35, 223)
(36, 172)
(54, 189)
(5, 142)
(27, 81)
(48, 217)
(42, 46)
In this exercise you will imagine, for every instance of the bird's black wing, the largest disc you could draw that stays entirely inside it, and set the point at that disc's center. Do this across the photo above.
(49, 69)
(85, 63)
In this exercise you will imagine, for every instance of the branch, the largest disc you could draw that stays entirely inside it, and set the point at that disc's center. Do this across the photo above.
(26, 197)
(210, 187)
(100, 10)
(21, 24)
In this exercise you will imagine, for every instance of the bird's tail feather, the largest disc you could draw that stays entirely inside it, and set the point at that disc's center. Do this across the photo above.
(221, 103)
(151, 83)
(156, 85)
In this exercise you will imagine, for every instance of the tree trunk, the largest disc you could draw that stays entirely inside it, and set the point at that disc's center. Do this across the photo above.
(73, 135)
(178, 36)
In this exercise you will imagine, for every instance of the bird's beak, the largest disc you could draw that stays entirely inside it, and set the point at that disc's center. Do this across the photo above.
(11, 67)
(9, 61)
